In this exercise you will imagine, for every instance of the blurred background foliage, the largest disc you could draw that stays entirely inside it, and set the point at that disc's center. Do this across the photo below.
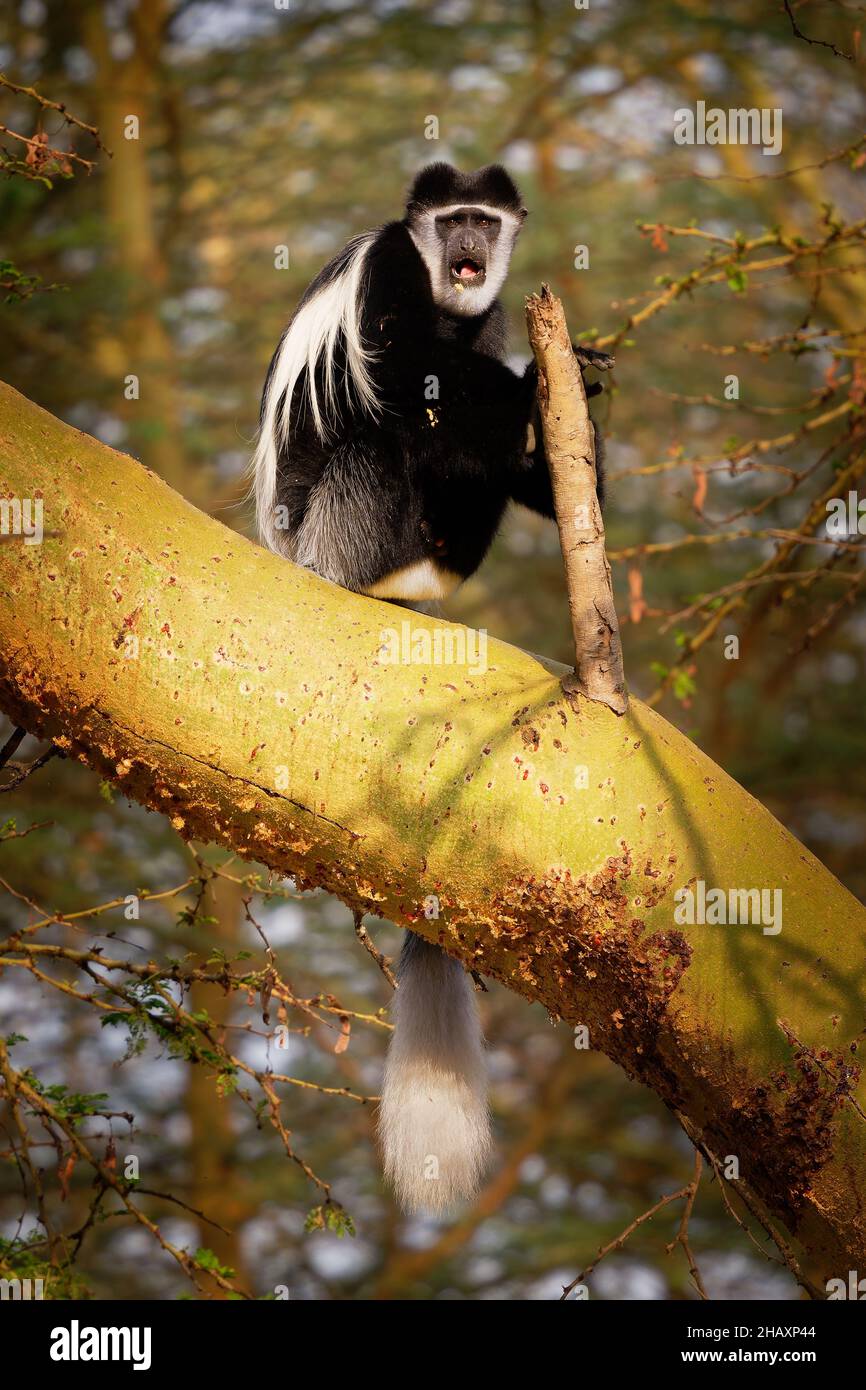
(261, 129)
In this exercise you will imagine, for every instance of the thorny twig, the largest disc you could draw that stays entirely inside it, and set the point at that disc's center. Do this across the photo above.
(23, 773)
(117, 985)
(686, 1193)
(819, 43)
(369, 945)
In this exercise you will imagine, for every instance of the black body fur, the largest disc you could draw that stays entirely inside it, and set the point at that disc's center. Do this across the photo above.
(427, 479)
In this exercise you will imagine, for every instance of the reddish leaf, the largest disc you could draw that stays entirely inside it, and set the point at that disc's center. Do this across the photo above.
(700, 495)
(636, 605)
(64, 1173)
(345, 1033)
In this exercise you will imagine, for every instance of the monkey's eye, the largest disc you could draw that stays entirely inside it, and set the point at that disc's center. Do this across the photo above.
(453, 221)
(484, 221)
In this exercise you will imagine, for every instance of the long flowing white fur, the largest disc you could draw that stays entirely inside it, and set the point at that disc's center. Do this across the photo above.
(434, 1121)
(311, 340)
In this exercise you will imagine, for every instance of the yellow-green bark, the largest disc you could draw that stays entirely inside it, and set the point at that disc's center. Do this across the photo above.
(404, 781)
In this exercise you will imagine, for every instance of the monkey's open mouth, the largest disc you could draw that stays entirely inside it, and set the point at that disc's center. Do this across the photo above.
(467, 272)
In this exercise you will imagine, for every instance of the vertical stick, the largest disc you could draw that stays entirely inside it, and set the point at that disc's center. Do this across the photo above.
(570, 444)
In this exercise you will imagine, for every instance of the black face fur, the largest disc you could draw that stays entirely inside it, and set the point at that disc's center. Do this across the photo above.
(468, 236)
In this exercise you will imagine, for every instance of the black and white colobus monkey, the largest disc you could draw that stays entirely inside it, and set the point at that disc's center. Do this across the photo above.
(392, 437)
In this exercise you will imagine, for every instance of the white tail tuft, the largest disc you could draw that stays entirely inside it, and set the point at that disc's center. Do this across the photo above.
(434, 1122)
(330, 316)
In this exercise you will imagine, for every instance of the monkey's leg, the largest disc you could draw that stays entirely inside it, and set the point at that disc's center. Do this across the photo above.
(348, 526)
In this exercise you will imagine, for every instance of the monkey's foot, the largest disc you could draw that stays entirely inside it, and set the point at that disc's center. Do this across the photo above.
(588, 357)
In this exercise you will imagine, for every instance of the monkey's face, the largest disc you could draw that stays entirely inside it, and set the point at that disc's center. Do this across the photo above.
(468, 236)
(467, 250)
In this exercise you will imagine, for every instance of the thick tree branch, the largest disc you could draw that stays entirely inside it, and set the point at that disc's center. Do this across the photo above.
(255, 705)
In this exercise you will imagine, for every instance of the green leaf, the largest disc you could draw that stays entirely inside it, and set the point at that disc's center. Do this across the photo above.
(737, 279)
(330, 1217)
(684, 685)
(206, 1259)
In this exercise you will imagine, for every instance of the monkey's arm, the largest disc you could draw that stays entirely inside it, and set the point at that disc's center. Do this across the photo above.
(531, 484)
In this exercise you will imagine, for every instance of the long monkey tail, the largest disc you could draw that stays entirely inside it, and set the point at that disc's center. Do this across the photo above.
(434, 1121)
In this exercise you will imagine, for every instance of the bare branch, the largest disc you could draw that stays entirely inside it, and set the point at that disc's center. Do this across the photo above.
(818, 43)
(570, 442)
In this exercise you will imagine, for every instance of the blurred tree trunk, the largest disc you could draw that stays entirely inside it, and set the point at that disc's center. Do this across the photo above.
(219, 1185)
(254, 704)
(546, 141)
(133, 86)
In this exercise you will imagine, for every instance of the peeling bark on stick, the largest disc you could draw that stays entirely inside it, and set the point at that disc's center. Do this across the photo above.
(254, 704)
(570, 444)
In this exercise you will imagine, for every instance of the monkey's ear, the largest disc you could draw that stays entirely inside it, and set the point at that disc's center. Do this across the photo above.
(493, 184)
(434, 186)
